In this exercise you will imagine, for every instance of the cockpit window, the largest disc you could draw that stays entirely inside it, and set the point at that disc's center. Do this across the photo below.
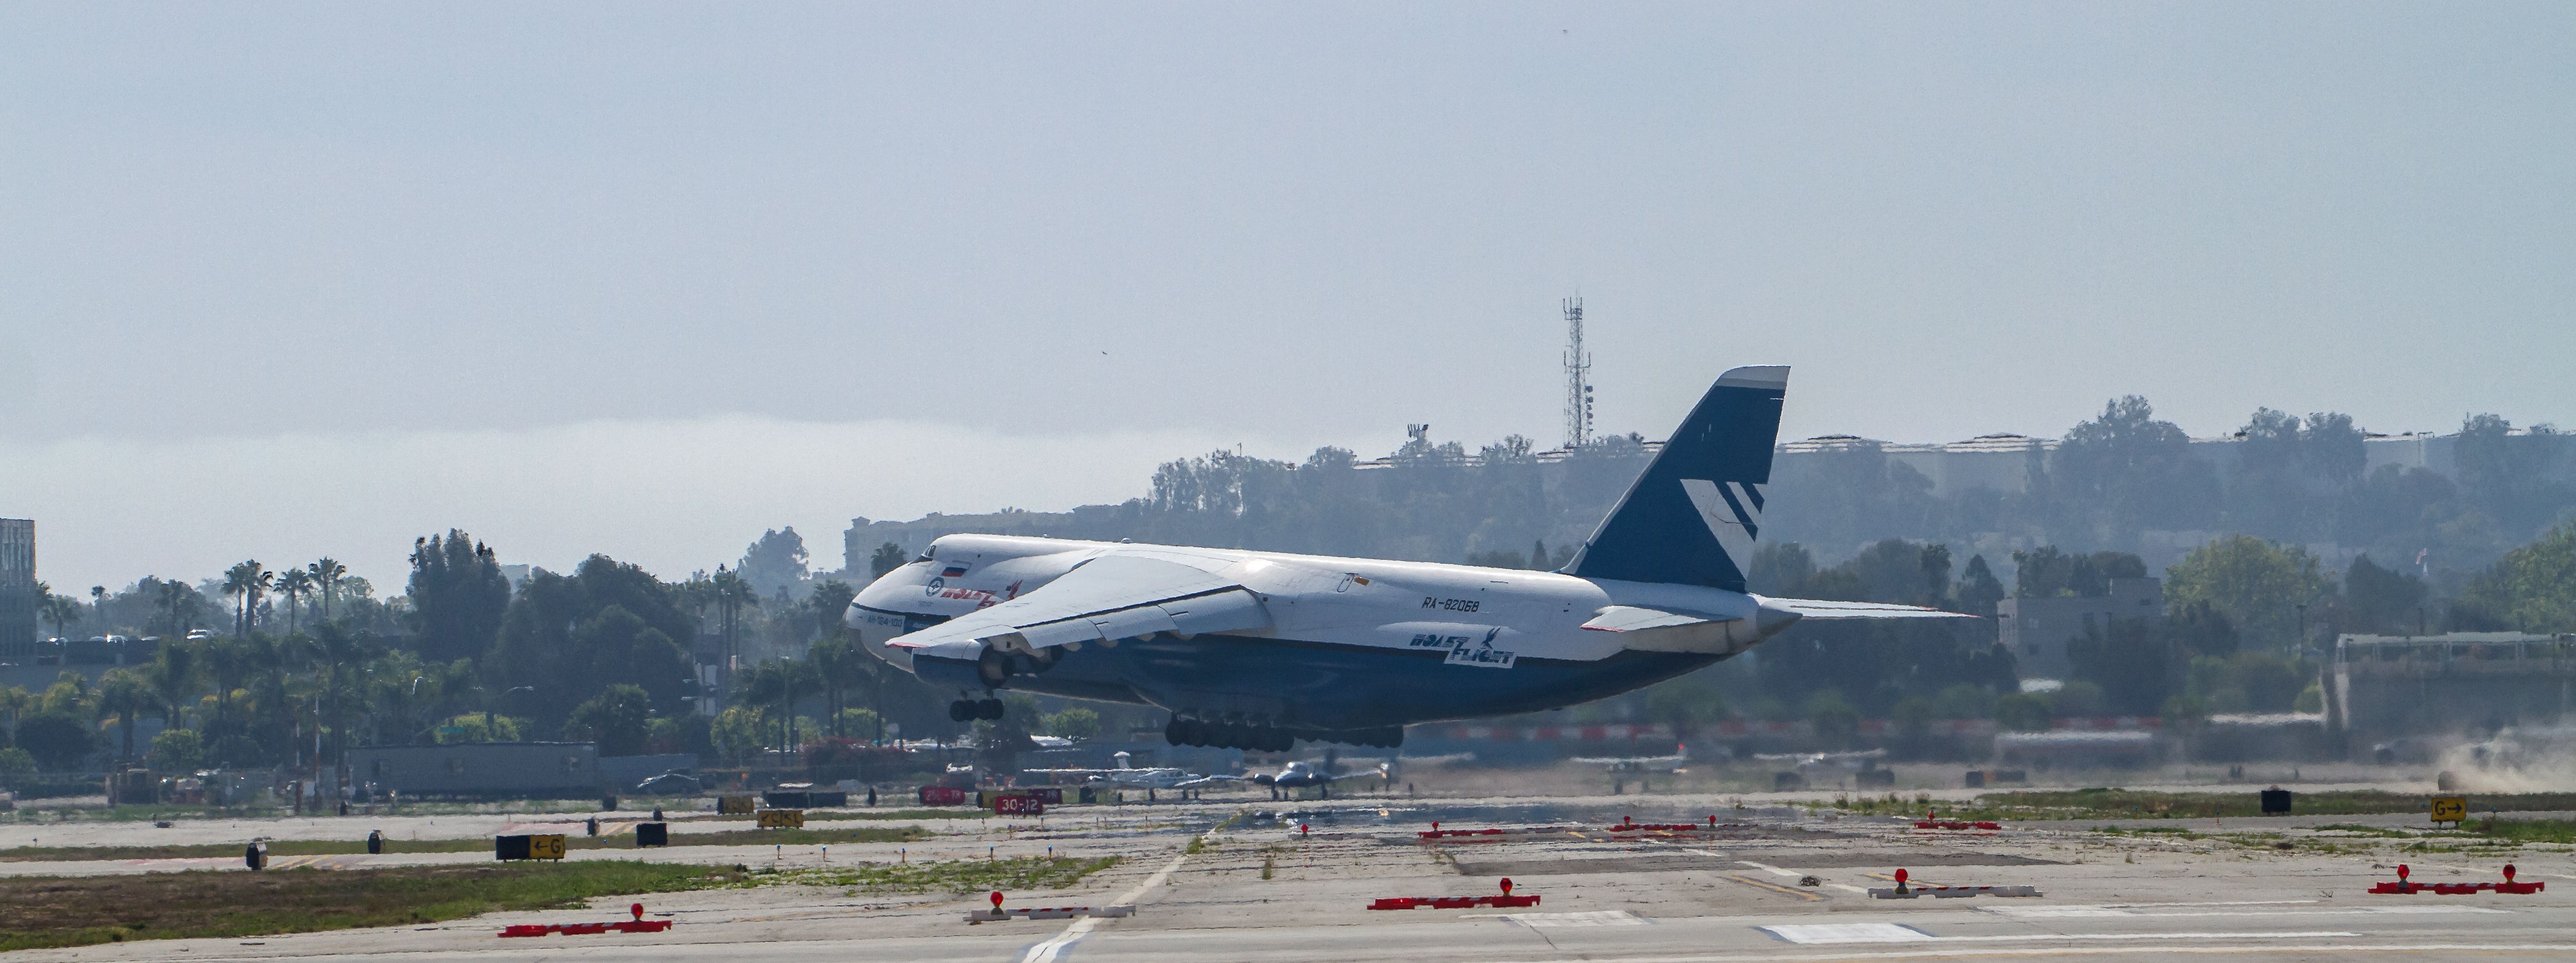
(928, 553)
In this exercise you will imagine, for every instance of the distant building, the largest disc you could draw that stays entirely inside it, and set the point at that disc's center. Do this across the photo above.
(2036, 630)
(18, 601)
(1999, 462)
(2381, 687)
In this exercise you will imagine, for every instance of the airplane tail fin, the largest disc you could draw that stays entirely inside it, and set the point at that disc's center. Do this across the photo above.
(1693, 515)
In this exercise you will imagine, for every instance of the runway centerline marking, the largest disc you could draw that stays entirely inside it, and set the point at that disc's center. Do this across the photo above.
(2114, 912)
(1828, 934)
(1593, 918)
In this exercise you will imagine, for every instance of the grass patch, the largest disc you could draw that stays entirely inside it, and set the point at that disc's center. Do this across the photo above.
(40, 812)
(2147, 832)
(955, 875)
(48, 911)
(2129, 804)
(2524, 830)
(335, 847)
(2373, 832)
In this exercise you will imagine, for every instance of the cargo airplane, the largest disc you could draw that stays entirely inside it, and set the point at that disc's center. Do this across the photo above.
(1255, 650)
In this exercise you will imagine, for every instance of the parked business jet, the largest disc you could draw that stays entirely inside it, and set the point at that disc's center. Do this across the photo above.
(1255, 650)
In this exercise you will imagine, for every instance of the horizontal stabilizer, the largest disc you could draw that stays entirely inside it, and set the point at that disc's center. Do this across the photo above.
(1631, 618)
(1657, 630)
(1825, 609)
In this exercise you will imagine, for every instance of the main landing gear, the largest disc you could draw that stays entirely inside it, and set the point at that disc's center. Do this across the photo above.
(969, 710)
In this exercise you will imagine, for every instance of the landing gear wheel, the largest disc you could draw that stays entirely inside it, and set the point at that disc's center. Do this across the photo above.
(989, 709)
(1172, 731)
(961, 711)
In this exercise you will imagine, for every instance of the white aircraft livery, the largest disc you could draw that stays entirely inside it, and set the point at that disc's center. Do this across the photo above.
(1255, 650)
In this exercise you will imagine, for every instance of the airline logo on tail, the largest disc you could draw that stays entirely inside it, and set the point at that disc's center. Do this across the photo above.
(1731, 511)
(1714, 467)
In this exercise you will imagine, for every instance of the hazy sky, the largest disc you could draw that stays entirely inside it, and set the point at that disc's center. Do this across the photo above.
(285, 280)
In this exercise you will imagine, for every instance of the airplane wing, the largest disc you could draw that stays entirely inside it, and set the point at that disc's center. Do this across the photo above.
(1377, 773)
(1194, 783)
(1106, 599)
(1824, 609)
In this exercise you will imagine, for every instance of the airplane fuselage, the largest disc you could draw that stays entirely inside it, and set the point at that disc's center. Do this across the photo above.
(1337, 644)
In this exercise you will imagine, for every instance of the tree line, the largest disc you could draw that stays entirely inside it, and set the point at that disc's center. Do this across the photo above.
(306, 665)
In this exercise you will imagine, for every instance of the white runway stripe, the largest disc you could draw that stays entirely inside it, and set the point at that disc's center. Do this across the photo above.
(1048, 951)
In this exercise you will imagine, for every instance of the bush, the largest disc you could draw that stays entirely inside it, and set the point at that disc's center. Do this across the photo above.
(859, 723)
(2311, 699)
(687, 732)
(176, 750)
(471, 728)
(2081, 700)
(1963, 701)
(15, 761)
(1836, 722)
(2184, 710)
(1913, 716)
(1074, 723)
(616, 719)
(2022, 712)
(59, 742)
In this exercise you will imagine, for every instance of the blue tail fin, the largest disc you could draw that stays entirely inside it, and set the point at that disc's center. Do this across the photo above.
(1694, 513)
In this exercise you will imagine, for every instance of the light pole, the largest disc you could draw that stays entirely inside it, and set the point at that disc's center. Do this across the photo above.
(490, 734)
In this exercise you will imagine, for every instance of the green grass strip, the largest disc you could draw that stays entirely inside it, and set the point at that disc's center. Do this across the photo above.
(336, 847)
(52, 911)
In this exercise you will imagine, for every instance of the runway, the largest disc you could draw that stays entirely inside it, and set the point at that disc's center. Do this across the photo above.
(1770, 889)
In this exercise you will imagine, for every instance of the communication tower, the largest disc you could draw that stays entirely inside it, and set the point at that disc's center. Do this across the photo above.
(1578, 378)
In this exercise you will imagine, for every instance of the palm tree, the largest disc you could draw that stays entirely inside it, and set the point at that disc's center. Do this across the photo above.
(230, 663)
(15, 701)
(335, 656)
(240, 582)
(326, 575)
(61, 610)
(172, 677)
(732, 593)
(124, 695)
(842, 667)
(260, 583)
(178, 605)
(295, 585)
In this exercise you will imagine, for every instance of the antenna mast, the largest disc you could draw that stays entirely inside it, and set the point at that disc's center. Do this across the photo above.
(1578, 378)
